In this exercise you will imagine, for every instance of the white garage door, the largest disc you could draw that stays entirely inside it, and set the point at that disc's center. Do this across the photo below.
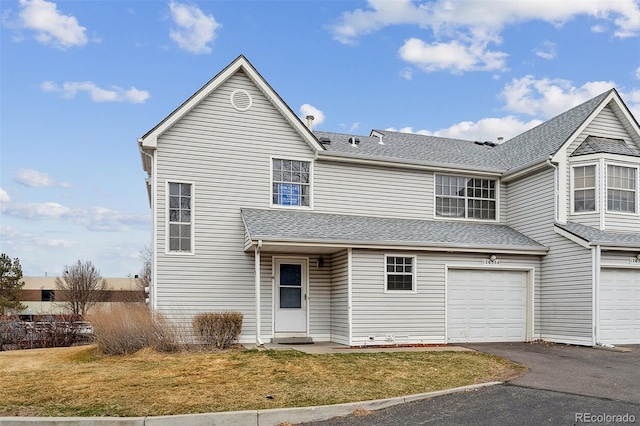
(620, 306)
(486, 306)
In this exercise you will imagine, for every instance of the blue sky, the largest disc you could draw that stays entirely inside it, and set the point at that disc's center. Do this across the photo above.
(82, 80)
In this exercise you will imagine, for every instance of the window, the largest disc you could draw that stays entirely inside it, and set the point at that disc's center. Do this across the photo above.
(400, 273)
(48, 295)
(291, 183)
(621, 189)
(584, 189)
(464, 197)
(180, 217)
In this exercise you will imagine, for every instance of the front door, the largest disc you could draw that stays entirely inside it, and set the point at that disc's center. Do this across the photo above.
(291, 297)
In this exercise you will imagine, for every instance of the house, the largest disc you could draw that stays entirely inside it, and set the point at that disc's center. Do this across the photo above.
(40, 296)
(394, 238)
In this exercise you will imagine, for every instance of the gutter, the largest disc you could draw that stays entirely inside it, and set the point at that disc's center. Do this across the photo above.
(256, 268)
(534, 250)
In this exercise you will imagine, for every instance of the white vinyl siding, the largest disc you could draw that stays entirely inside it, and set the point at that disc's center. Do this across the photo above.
(563, 303)
(409, 318)
(339, 298)
(224, 152)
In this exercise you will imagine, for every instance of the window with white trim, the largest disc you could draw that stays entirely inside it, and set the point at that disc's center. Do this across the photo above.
(584, 189)
(400, 273)
(180, 217)
(291, 183)
(465, 197)
(621, 188)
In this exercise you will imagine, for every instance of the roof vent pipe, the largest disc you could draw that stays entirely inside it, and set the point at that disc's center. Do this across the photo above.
(500, 140)
(310, 121)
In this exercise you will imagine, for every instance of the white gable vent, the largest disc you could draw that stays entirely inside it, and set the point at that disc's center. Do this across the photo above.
(241, 100)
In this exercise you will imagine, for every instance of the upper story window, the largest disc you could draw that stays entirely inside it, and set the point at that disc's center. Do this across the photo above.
(584, 189)
(465, 197)
(180, 217)
(291, 183)
(621, 189)
(400, 273)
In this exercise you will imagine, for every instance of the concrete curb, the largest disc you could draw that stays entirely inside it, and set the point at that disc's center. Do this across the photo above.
(271, 417)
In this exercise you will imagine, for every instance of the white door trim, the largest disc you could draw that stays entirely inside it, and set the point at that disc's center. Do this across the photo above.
(275, 261)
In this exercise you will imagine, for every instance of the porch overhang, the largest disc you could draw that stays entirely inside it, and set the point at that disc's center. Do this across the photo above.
(310, 232)
(588, 237)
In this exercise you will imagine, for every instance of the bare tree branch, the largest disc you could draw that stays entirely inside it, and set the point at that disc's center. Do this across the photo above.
(81, 287)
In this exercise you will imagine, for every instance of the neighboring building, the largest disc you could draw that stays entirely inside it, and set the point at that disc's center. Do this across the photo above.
(40, 297)
(394, 238)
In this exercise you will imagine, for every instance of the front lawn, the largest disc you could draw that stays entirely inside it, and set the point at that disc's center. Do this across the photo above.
(77, 382)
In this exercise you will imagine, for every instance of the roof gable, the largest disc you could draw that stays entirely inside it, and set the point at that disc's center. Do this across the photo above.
(598, 145)
(240, 64)
(544, 140)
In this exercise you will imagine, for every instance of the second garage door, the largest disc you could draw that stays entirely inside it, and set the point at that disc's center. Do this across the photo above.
(486, 306)
(620, 306)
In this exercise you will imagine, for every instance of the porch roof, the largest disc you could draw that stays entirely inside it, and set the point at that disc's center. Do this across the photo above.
(281, 227)
(595, 237)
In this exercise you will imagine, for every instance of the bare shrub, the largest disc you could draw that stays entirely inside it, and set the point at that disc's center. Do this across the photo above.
(12, 332)
(125, 328)
(220, 329)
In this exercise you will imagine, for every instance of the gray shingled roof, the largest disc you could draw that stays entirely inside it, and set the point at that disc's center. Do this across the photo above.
(539, 143)
(597, 237)
(296, 226)
(597, 145)
(416, 148)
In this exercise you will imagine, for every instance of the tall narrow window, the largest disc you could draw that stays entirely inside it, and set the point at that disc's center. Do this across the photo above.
(621, 189)
(291, 183)
(584, 189)
(180, 217)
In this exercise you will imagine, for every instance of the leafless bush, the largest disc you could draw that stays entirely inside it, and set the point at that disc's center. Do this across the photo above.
(125, 328)
(220, 329)
(12, 332)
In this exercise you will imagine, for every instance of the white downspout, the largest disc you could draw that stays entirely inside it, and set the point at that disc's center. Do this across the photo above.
(597, 253)
(256, 258)
(349, 296)
(555, 189)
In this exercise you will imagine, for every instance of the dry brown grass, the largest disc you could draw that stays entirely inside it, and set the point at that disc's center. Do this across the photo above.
(76, 382)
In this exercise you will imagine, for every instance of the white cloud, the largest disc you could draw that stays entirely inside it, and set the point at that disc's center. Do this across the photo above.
(546, 97)
(632, 99)
(34, 178)
(308, 109)
(407, 73)
(637, 73)
(547, 50)
(4, 196)
(462, 30)
(94, 219)
(97, 94)
(454, 56)
(50, 25)
(194, 30)
(486, 129)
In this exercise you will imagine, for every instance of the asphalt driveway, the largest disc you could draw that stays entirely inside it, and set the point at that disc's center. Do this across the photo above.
(574, 369)
(564, 385)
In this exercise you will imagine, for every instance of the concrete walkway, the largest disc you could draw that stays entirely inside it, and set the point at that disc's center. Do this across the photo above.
(336, 348)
